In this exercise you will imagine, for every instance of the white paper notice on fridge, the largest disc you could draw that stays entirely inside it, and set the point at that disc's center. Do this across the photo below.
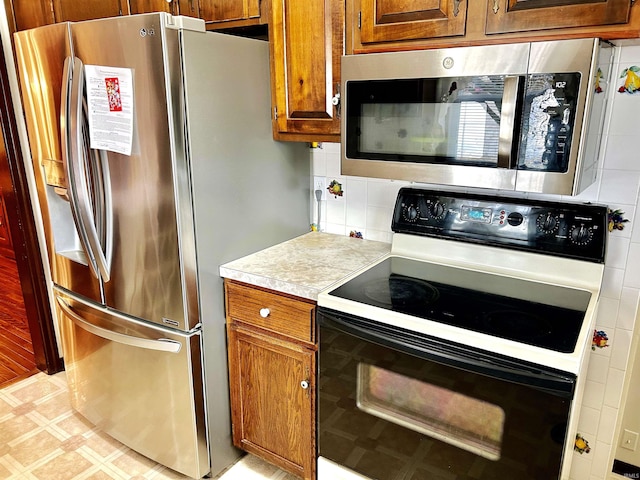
(110, 107)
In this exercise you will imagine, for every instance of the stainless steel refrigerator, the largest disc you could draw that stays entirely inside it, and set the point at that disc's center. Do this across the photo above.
(152, 147)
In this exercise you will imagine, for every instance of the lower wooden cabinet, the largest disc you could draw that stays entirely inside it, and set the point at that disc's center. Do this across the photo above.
(272, 363)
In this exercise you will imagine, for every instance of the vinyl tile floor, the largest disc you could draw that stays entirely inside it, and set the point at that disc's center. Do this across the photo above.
(42, 438)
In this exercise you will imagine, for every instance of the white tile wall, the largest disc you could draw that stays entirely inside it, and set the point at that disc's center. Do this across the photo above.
(367, 205)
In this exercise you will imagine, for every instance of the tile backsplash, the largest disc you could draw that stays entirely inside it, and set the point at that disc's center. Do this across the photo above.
(366, 206)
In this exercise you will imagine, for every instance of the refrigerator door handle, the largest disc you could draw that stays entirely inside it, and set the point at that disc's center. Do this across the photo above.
(78, 151)
(160, 344)
(65, 139)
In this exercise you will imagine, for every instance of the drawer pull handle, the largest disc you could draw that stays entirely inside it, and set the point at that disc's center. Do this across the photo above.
(304, 384)
(265, 312)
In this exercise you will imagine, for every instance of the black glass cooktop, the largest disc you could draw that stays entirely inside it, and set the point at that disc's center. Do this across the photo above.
(532, 313)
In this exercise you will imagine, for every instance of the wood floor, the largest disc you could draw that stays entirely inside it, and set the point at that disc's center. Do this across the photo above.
(16, 351)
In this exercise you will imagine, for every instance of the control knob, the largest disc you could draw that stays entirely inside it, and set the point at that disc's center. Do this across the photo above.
(411, 213)
(515, 218)
(581, 234)
(548, 222)
(437, 210)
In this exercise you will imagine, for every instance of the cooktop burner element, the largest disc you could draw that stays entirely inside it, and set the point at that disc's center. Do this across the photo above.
(503, 307)
(516, 322)
(401, 292)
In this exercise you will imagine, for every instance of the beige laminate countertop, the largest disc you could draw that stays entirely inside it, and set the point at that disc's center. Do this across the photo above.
(305, 265)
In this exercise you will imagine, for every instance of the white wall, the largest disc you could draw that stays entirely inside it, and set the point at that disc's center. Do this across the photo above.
(367, 205)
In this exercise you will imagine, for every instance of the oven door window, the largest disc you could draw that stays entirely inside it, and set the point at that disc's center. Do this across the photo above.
(441, 413)
(435, 410)
(446, 120)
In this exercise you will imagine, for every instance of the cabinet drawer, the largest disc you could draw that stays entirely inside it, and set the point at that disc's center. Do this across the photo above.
(277, 313)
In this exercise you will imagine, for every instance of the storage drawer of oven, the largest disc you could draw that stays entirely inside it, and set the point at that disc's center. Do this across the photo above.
(271, 311)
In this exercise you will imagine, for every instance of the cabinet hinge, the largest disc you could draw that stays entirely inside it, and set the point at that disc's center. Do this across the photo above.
(275, 113)
(359, 20)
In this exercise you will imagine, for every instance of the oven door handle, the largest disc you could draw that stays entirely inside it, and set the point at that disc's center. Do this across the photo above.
(451, 354)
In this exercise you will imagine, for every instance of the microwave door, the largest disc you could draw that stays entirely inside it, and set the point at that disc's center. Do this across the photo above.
(453, 131)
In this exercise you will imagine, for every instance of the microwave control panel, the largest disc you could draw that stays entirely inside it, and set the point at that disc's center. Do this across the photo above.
(576, 230)
(551, 101)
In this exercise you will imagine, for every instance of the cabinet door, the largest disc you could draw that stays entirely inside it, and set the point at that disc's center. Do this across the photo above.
(272, 408)
(31, 14)
(77, 10)
(392, 20)
(306, 42)
(225, 13)
(149, 6)
(227, 10)
(505, 16)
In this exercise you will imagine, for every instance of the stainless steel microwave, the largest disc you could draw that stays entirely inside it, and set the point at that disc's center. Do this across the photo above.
(526, 117)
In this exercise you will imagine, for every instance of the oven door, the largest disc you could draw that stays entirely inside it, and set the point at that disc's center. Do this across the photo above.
(394, 404)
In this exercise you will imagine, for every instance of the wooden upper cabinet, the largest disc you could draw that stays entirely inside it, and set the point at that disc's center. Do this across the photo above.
(229, 10)
(78, 10)
(216, 13)
(384, 20)
(219, 14)
(149, 6)
(389, 25)
(505, 16)
(306, 42)
(30, 14)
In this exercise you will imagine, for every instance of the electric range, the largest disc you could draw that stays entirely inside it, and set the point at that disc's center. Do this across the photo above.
(512, 283)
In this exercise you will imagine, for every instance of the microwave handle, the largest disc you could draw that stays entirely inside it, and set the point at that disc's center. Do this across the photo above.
(508, 115)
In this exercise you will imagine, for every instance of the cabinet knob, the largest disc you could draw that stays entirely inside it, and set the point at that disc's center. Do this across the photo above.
(335, 101)
(304, 384)
(265, 312)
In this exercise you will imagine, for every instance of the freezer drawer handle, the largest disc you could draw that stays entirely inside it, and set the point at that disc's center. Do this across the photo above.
(161, 344)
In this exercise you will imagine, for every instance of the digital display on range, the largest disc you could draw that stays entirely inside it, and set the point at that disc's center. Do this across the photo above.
(476, 214)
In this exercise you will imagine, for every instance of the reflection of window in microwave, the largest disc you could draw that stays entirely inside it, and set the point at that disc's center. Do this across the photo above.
(466, 130)
(461, 121)
(457, 419)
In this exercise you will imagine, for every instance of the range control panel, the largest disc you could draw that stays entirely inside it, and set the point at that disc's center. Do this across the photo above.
(575, 230)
